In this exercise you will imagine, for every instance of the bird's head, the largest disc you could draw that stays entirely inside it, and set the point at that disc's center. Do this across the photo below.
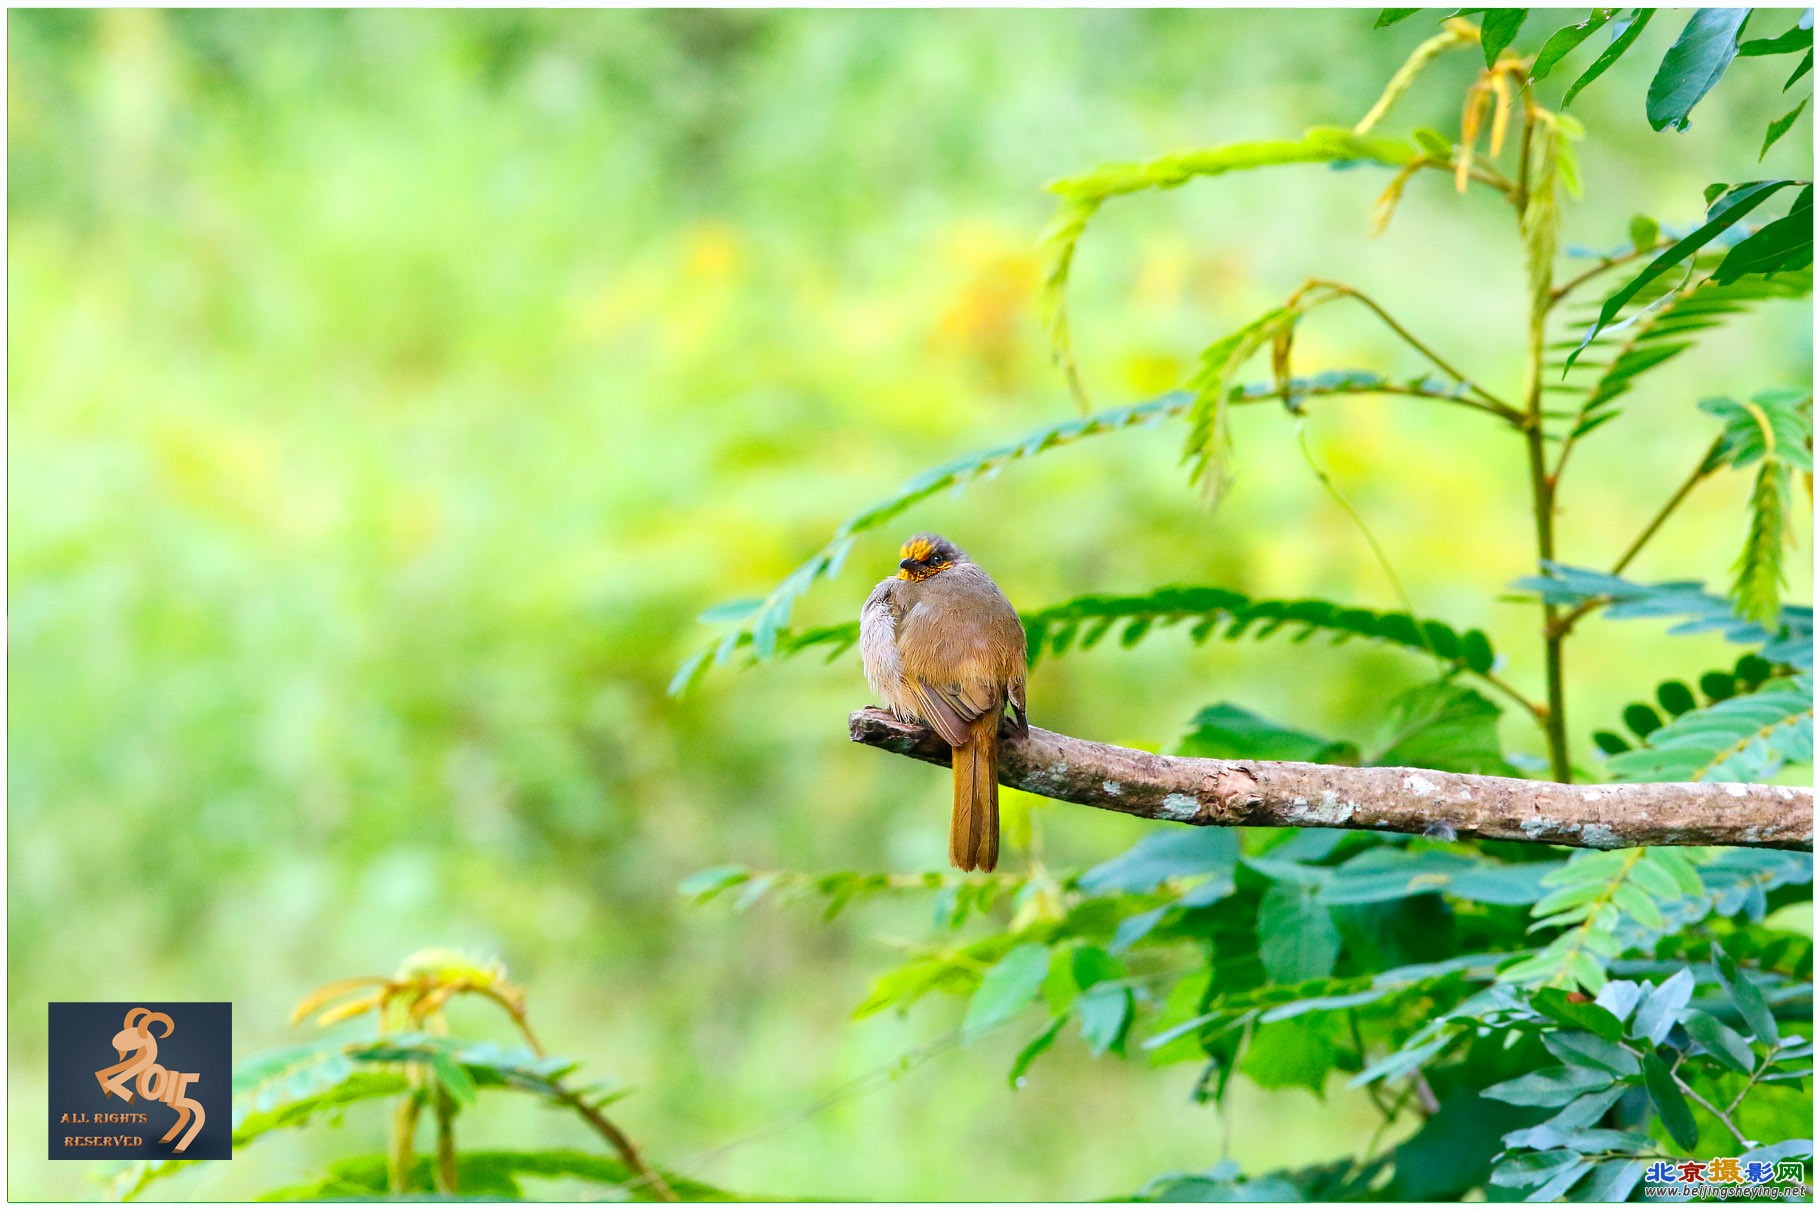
(926, 555)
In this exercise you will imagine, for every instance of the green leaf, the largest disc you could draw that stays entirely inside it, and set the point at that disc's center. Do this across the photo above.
(1221, 1183)
(1183, 853)
(1297, 937)
(1660, 1006)
(1577, 1049)
(1675, 697)
(1321, 144)
(1720, 1042)
(1790, 641)
(704, 885)
(1747, 998)
(1743, 738)
(1443, 726)
(1776, 129)
(1383, 874)
(1295, 1054)
(1209, 445)
(1569, 1122)
(730, 611)
(1451, 1155)
(1788, 1149)
(1577, 895)
(1229, 732)
(1797, 37)
(1391, 16)
(1549, 1086)
(1105, 1016)
(688, 672)
(1035, 1047)
(1759, 576)
(1434, 144)
(1561, 1182)
(905, 985)
(1725, 213)
(453, 1077)
(1006, 990)
(1090, 965)
(1620, 998)
(1526, 1168)
(1806, 65)
(1694, 64)
(355, 1086)
(1671, 1107)
(1613, 1180)
(1554, 1003)
(1635, 903)
(1780, 245)
(1624, 33)
(1668, 327)
(1644, 232)
(1499, 29)
(1564, 40)
(1642, 720)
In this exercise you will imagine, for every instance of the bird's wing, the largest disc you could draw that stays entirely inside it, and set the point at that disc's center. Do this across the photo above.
(944, 708)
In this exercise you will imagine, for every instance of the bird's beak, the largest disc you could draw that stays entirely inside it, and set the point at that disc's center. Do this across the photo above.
(906, 564)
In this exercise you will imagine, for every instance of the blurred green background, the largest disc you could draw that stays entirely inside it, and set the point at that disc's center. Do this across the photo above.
(390, 390)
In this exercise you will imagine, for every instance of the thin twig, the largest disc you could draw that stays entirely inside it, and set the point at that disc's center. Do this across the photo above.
(1536, 710)
(1724, 1118)
(1674, 1073)
(1498, 406)
(1623, 258)
(1542, 484)
(615, 1137)
(1483, 175)
(1751, 1081)
(1702, 470)
(1706, 467)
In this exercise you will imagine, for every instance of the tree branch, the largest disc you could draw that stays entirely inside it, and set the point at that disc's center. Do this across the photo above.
(1249, 793)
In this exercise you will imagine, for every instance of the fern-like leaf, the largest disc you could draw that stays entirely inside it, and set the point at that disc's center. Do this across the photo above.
(759, 622)
(1760, 578)
(1788, 639)
(1080, 198)
(1541, 218)
(1084, 621)
(1776, 424)
(1665, 328)
(1723, 216)
(1087, 620)
(763, 624)
(1745, 738)
(1209, 443)
(1775, 429)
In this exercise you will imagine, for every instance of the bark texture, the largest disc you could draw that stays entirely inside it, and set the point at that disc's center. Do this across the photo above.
(1246, 793)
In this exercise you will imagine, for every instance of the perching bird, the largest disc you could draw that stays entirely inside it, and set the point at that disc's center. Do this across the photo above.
(943, 647)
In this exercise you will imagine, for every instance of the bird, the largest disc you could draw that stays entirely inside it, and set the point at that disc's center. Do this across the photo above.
(943, 647)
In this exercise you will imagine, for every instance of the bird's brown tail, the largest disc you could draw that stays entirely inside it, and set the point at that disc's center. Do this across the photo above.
(973, 827)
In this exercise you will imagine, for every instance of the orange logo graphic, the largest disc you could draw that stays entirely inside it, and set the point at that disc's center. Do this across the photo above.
(154, 1082)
